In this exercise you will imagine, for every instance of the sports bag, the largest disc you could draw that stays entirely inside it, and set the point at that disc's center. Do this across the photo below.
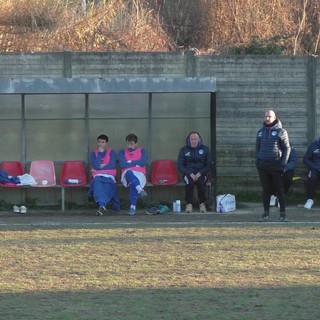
(226, 203)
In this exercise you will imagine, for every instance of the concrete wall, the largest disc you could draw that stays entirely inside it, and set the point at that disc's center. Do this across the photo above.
(246, 87)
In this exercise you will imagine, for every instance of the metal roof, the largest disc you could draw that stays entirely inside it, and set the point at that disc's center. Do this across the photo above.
(106, 85)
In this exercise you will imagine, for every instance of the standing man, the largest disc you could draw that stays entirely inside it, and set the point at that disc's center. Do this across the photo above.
(194, 162)
(133, 161)
(272, 154)
(312, 160)
(103, 170)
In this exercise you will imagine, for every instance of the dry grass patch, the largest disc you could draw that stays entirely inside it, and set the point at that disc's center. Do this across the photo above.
(210, 27)
(149, 273)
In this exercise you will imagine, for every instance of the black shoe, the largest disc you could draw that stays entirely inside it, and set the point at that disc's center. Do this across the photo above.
(265, 218)
(283, 217)
(101, 211)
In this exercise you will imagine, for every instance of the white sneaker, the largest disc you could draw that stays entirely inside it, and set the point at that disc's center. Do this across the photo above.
(23, 209)
(273, 200)
(309, 204)
(16, 209)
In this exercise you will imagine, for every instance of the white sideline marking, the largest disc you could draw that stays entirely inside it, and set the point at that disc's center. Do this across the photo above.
(177, 223)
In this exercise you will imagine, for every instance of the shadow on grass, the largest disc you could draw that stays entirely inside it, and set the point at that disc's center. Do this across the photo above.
(172, 303)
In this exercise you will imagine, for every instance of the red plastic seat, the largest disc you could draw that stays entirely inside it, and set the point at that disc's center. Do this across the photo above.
(12, 168)
(163, 172)
(43, 173)
(73, 174)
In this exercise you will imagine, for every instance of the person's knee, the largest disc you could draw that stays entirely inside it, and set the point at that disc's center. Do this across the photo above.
(128, 173)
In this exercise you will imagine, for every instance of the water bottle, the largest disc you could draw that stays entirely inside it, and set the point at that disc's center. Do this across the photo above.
(174, 206)
(178, 206)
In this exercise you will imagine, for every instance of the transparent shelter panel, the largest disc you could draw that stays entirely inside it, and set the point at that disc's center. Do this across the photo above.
(56, 140)
(130, 105)
(10, 142)
(117, 130)
(55, 106)
(169, 135)
(10, 106)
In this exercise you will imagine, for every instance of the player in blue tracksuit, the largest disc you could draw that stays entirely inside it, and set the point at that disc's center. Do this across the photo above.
(103, 170)
(133, 161)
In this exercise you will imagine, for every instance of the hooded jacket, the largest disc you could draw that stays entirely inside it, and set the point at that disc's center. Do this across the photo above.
(272, 147)
(194, 160)
(312, 156)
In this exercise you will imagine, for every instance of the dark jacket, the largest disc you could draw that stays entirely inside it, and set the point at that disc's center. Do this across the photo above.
(292, 162)
(312, 156)
(5, 178)
(194, 160)
(272, 147)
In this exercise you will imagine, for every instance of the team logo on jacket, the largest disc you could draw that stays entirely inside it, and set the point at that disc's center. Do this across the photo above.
(187, 154)
(316, 151)
(260, 134)
(274, 133)
(200, 151)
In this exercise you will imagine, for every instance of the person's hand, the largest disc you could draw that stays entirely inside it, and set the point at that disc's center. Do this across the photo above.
(197, 176)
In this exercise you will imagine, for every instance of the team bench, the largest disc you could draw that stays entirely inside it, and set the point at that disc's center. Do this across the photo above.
(73, 175)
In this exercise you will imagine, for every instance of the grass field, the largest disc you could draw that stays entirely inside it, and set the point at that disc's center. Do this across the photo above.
(160, 272)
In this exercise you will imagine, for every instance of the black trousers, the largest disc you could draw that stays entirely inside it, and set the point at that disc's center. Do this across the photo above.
(201, 187)
(287, 178)
(272, 180)
(313, 178)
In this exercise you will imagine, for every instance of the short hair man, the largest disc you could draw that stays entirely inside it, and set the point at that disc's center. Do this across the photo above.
(272, 154)
(103, 170)
(133, 161)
